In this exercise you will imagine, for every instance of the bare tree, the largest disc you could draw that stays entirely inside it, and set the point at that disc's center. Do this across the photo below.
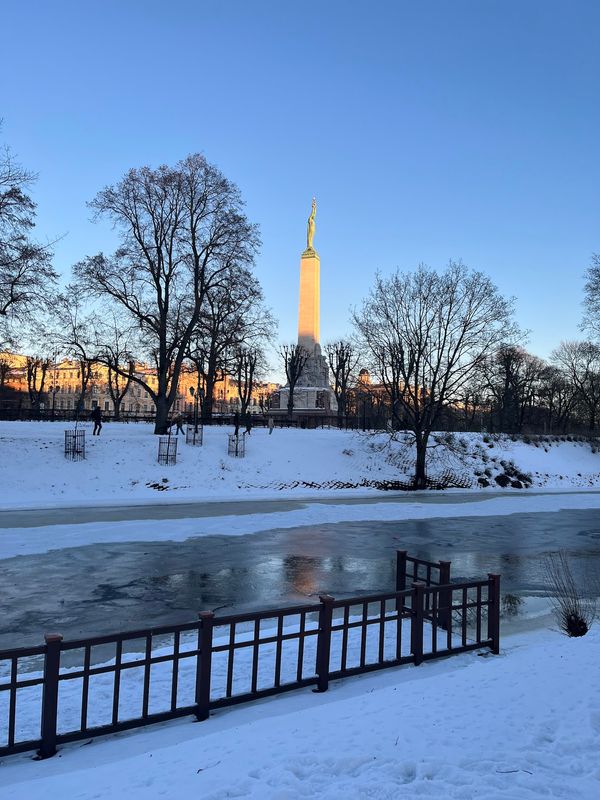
(425, 334)
(557, 396)
(115, 342)
(247, 364)
(233, 318)
(74, 335)
(36, 368)
(343, 358)
(591, 303)
(581, 362)
(182, 229)
(294, 360)
(26, 273)
(512, 379)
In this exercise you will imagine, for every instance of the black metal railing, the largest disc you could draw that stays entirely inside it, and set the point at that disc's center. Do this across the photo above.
(64, 691)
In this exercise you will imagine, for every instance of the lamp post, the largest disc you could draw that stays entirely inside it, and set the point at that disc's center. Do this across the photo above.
(54, 387)
(200, 399)
(53, 390)
(194, 394)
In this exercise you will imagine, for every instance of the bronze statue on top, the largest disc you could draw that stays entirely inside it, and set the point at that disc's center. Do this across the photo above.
(310, 233)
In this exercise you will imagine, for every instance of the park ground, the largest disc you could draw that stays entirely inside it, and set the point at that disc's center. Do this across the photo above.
(121, 465)
(524, 724)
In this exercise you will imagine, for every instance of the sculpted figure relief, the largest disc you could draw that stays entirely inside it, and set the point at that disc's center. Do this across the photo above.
(310, 233)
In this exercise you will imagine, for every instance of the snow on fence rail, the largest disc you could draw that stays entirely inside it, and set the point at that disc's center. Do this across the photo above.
(60, 692)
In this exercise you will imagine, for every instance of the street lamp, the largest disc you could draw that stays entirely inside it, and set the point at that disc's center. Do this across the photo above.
(194, 394)
(53, 390)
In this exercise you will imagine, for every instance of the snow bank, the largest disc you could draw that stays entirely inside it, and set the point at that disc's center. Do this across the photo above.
(522, 725)
(121, 464)
(31, 540)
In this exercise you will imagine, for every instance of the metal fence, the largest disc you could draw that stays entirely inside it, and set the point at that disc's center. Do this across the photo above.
(111, 683)
(236, 445)
(194, 435)
(75, 445)
(167, 450)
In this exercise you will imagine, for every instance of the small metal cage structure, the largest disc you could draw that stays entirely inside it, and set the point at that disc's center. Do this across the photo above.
(237, 445)
(167, 450)
(194, 435)
(75, 444)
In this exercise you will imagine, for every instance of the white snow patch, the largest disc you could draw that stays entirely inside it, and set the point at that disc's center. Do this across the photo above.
(121, 464)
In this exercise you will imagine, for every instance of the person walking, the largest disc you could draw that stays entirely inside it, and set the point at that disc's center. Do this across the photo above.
(97, 417)
(178, 420)
(236, 423)
(270, 425)
(248, 419)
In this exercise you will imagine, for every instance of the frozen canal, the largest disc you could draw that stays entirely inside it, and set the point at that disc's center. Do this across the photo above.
(101, 588)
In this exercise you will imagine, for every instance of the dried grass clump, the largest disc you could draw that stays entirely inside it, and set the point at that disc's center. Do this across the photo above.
(574, 610)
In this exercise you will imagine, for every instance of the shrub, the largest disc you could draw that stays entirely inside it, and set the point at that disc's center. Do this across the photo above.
(511, 603)
(573, 612)
(502, 480)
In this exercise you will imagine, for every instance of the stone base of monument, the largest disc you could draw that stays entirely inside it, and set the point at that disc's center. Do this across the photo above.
(311, 403)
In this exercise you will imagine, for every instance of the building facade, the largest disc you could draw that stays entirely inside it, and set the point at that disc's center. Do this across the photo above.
(57, 387)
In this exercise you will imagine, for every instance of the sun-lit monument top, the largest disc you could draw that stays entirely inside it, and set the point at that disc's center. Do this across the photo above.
(308, 311)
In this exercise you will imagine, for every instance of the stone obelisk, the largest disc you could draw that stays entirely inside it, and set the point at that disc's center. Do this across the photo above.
(308, 311)
(313, 396)
(316, 371)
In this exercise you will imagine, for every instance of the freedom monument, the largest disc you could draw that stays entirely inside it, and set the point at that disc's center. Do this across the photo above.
(313, 396)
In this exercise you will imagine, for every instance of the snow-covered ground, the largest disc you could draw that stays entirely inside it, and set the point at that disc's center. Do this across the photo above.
(525, 724)
(121, 464)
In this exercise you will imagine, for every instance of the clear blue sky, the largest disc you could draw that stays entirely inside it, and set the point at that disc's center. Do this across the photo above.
(426, 130)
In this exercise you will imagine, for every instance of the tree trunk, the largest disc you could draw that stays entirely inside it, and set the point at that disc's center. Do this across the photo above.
(341, 410)
(117, 411)
(209, 396)
(420, 463)
(161, 420)
(290, 404)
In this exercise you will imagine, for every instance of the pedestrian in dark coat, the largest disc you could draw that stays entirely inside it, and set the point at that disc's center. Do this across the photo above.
(236, 422)
(248, 419)
(178, 420)
(97, 417)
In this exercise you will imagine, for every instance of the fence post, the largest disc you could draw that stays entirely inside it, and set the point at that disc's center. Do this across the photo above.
(50, 694)
(203, 665)
(416, 621)
(445, 597)
(400, 577)
(494, 612)
(324, 641)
